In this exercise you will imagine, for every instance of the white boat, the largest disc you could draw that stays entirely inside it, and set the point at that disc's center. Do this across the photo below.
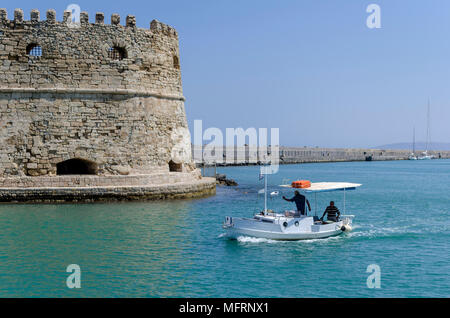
(425, 156)
(278, 226)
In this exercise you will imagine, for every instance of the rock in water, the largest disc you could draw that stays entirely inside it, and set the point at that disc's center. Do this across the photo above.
(222, 180)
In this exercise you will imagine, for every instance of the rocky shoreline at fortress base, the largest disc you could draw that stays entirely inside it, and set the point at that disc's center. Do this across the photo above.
(94, 189)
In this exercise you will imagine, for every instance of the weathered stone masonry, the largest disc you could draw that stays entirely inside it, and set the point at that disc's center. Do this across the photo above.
(91, 98)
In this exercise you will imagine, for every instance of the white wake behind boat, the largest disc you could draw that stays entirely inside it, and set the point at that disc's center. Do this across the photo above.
(278, 226)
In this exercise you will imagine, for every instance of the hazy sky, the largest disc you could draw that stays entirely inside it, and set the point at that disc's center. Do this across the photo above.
(311, 68)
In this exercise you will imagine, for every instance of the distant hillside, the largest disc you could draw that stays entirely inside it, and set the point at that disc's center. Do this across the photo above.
(419, 146)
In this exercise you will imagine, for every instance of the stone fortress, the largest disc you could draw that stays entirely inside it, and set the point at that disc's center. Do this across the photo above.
(92, 111)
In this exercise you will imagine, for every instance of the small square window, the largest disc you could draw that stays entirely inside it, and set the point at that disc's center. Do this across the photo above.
(34, 50)
(117, 53)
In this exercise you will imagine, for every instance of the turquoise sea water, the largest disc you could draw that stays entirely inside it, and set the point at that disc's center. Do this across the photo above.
(176, 249)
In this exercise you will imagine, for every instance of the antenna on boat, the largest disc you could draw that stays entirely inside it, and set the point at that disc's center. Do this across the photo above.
(263, 174)
(265, 193)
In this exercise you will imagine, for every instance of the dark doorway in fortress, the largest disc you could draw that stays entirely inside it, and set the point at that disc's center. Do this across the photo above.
(175, 167)
(76, 167)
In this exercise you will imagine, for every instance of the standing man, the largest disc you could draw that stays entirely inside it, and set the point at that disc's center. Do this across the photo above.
(300, 201)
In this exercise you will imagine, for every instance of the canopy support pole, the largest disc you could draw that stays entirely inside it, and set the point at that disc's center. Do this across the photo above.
(315, 202)
(345, 211)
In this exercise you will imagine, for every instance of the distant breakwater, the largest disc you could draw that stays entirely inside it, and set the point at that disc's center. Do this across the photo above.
(293, 155)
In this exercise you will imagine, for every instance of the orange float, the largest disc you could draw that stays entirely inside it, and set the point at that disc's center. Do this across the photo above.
(301, 184)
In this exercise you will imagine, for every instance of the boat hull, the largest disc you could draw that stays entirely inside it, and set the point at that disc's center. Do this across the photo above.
(236, 233)
(284, 229)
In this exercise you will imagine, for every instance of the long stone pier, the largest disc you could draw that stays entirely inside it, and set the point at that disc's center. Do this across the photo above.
(292, 155)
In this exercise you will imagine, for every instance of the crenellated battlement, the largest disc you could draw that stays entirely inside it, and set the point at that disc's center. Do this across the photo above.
(44, 53)
(160, 27)
(99, 19)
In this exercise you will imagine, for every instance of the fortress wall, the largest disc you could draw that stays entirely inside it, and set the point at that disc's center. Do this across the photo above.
(96, 181)
(122, 134)
(92, 111)
(76, 101)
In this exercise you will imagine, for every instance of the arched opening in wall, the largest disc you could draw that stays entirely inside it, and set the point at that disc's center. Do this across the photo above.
(175, 167)
(34, 49)
(76, 167)
(176, 62)
(117, 53)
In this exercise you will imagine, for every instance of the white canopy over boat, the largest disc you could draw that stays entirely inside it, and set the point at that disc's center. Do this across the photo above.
(320, 187)
(327, 187)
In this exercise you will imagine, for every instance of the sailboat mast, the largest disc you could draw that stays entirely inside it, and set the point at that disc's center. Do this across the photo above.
(428, 125)
(414, 140)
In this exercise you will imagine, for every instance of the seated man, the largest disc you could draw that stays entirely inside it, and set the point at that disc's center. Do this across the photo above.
(300, 201)
(332, 212)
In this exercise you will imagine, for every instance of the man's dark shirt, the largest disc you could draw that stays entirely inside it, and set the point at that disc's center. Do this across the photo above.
(299, 202)
(332, 212)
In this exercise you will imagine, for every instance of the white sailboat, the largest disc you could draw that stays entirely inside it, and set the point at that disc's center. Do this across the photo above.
(412, 156)
(425, 155)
